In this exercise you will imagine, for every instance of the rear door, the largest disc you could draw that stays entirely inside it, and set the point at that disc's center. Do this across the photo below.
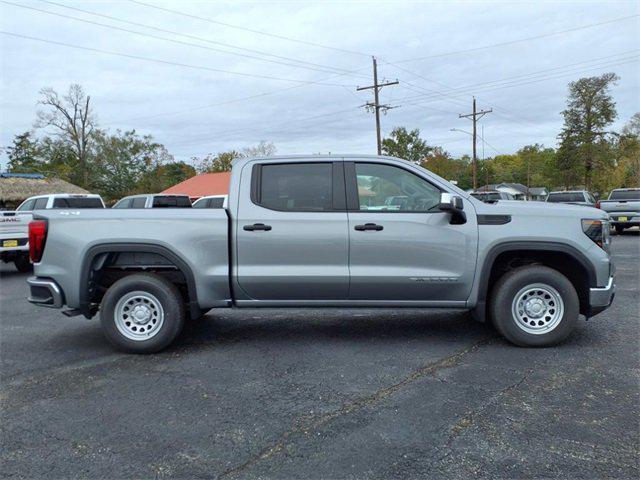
(408, 251)
(291, 231)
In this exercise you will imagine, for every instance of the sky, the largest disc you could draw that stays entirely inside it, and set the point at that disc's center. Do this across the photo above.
(205, 77)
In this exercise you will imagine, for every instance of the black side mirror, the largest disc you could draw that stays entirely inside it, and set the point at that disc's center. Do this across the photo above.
(453, 204)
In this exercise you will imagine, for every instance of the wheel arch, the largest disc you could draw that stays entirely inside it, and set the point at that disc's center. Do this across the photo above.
(565, 258)
(164, 260)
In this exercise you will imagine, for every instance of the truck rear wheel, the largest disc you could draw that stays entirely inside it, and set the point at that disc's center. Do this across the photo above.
(619, 229)
(534, 306)
(22, 263)
(142, 313)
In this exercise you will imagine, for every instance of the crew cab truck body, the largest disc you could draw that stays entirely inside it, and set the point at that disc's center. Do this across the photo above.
(310, 231)
(623, 207)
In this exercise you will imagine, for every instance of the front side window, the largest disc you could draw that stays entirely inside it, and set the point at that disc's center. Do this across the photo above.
(393, 189)
(27, 206)
(124, 203)
(296, 187)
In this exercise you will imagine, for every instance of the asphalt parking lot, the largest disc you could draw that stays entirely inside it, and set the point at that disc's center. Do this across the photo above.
(322, 394)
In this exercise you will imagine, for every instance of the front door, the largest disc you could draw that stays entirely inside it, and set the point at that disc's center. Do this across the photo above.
(292, 236)
(402, 247)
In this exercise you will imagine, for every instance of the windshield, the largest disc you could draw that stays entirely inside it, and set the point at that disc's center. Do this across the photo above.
(625, 195)
(77, 202)
(563, 197)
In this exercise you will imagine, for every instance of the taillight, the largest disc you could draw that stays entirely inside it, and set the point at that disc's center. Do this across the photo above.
(598, 204)
(37, 238)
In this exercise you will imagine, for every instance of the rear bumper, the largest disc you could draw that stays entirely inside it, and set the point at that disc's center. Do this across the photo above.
(627, 219)
(601, 298)
(45, 292)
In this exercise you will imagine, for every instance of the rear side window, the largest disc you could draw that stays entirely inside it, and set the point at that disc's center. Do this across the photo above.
(41, 204)
(305, 187)
(625, 195)
(216, 202)
(565, 197)
(138, 202)
(171, 202)
(77, 202)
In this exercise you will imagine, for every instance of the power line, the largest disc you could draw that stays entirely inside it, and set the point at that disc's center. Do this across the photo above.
(259, 32)
(303, 63)
(511, 42)
(522, 80)
(165, 62)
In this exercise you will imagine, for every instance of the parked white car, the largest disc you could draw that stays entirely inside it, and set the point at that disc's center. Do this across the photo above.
(211, 201)
(14, 226)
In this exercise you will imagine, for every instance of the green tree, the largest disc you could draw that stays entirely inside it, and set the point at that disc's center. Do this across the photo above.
(25, 156)
(163, 176)
(122, 159)
(406, 145)
(590, 109)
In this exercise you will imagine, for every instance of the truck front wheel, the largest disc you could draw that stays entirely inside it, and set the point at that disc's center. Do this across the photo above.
(534, 306)
(142, 313)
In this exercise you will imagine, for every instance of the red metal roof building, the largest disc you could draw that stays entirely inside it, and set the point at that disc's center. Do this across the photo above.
(203, 185)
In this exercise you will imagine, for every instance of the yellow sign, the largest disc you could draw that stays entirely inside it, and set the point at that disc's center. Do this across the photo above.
(10, 243)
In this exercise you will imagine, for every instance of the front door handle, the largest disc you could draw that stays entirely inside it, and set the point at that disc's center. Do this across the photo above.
(257, 226)
(369, 226)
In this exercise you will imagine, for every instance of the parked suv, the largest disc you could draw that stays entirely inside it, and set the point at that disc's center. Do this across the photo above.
(312, 232)
(575, 197)
(154, 201)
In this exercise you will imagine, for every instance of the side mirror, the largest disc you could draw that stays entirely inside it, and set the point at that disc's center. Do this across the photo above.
(453, 204)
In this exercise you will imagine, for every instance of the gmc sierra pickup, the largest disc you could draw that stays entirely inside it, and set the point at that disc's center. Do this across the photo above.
(319, 231)
(623, 206)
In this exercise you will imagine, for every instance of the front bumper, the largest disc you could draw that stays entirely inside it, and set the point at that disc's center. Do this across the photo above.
(601, 298)
(45, 292)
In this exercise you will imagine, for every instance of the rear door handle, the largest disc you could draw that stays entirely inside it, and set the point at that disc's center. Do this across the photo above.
(257, 226)
(368, 226)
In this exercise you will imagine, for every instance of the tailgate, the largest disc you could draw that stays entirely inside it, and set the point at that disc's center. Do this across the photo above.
(14, 225)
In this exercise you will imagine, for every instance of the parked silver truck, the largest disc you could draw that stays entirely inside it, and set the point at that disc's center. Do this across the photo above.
(623, 206)
(311, 232)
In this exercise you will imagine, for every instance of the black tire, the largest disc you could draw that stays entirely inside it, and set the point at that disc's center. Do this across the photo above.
(511, 284)
(23, 264)
(171, 303)
(619, 229)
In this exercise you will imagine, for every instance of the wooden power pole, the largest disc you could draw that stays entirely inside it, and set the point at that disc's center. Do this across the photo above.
(376, 102)
(475, 116)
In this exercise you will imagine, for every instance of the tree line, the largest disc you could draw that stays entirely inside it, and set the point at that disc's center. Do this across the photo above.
(67, 142)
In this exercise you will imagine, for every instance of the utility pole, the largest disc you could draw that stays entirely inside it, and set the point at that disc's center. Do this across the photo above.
(376, 102)
(475, 116)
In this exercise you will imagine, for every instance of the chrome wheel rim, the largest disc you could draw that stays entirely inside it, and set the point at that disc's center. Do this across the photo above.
(537, 308)
(138, 316)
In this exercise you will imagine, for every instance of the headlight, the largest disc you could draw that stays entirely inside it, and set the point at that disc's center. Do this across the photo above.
(599, 231)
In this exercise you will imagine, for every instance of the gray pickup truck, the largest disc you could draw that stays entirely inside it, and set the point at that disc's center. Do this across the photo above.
(623, 206)
(316, 231)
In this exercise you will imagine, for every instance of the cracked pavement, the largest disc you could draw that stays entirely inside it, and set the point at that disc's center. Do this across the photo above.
(322, 394)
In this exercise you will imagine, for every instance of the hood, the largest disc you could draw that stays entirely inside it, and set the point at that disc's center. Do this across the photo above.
(515, 207)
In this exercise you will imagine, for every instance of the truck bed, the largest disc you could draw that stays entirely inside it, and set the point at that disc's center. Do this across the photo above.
(198, 237)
